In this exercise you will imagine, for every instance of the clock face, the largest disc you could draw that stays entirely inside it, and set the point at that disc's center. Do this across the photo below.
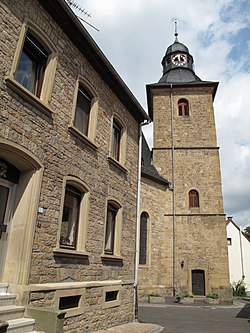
(179, 59)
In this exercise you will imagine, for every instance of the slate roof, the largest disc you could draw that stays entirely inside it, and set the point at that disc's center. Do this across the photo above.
(179, 75)
(147, 168)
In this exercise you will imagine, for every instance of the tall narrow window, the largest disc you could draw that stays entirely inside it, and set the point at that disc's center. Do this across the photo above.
(110, 229)
(193, 199)
(143, 238)
(116, 140)
(82, 112)
(70, 218)
(32, 65)
(183, 107)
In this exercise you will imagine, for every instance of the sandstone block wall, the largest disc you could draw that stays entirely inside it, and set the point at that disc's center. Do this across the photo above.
(63, 154)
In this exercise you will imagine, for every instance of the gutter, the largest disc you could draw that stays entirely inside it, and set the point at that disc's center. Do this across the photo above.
(137, 240)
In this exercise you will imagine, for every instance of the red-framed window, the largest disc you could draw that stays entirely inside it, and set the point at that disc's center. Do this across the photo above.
(183, 107)
(193, 196)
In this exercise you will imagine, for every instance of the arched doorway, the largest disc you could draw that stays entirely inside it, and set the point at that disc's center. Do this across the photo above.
(198, 282)
(20, 183)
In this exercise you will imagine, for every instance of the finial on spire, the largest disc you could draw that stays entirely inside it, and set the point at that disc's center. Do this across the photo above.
(175, 30)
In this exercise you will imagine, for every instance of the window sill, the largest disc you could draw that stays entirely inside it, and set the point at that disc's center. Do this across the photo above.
(117, 164)
(69, 253)
(28, 96)
(82, 137)
(110, 257)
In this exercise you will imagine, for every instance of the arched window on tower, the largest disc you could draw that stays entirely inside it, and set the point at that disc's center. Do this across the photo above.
(183, 107)
(143, 238)
(193, 196)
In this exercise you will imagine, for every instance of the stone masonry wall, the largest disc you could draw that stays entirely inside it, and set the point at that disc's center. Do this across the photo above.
(200, 232)
(62, 154)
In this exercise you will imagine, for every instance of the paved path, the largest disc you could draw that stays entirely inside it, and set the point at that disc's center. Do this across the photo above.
(177, 318)
(133, 328)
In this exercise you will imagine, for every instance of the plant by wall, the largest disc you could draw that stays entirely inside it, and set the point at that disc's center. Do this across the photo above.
(239, 288)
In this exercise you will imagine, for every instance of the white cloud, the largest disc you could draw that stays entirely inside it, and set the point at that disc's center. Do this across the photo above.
(135, 34)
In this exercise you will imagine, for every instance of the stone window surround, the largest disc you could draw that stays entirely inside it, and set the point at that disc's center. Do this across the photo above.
(123, 140)
(80, 250)
(67, 293)
(89, 139)
(111, 304)
(41, 103)
(116, 256)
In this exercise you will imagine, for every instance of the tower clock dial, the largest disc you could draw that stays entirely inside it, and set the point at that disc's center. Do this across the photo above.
(179, 59)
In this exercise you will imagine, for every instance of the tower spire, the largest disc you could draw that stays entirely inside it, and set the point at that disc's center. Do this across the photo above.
(175, 30)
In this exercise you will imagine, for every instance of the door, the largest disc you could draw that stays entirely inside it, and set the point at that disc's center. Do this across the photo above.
(198, 282)
(7, 191)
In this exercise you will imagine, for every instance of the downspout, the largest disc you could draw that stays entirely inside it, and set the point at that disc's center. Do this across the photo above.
(173, 189)
(137, 240)
(241, 256)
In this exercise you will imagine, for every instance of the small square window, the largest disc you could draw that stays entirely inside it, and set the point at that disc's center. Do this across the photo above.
(229, 241)
(69, 302)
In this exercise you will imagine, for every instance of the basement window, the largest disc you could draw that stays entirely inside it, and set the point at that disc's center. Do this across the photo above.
(69, 302)
(111, 296)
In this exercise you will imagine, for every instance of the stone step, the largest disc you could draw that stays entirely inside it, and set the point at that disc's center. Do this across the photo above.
(21, 325)
(7, 299)
(9, 312)
(199, 299)
(3, 287)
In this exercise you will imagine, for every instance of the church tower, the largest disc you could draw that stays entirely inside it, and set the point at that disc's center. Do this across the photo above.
(193, 248)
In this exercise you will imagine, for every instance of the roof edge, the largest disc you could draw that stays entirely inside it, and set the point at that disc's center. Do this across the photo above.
(59, 9)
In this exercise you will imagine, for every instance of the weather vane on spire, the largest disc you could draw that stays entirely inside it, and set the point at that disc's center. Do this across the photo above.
(175, 30)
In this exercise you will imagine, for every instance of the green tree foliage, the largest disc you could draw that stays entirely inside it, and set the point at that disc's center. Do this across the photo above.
(247, 232)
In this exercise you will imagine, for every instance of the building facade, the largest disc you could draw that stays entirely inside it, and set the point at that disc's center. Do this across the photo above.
(185, 230)
(69, 133)
(238, 254)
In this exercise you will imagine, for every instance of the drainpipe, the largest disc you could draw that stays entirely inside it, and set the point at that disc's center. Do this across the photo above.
(137, 241)
(241, 255)
(173, 189)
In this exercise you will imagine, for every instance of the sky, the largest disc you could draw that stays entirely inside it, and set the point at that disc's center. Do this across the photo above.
(134, 36)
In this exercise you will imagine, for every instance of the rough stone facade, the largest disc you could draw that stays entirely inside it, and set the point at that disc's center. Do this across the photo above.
(42, 147)
(182, 239)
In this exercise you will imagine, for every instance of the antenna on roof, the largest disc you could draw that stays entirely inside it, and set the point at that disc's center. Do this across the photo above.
(75, 5)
